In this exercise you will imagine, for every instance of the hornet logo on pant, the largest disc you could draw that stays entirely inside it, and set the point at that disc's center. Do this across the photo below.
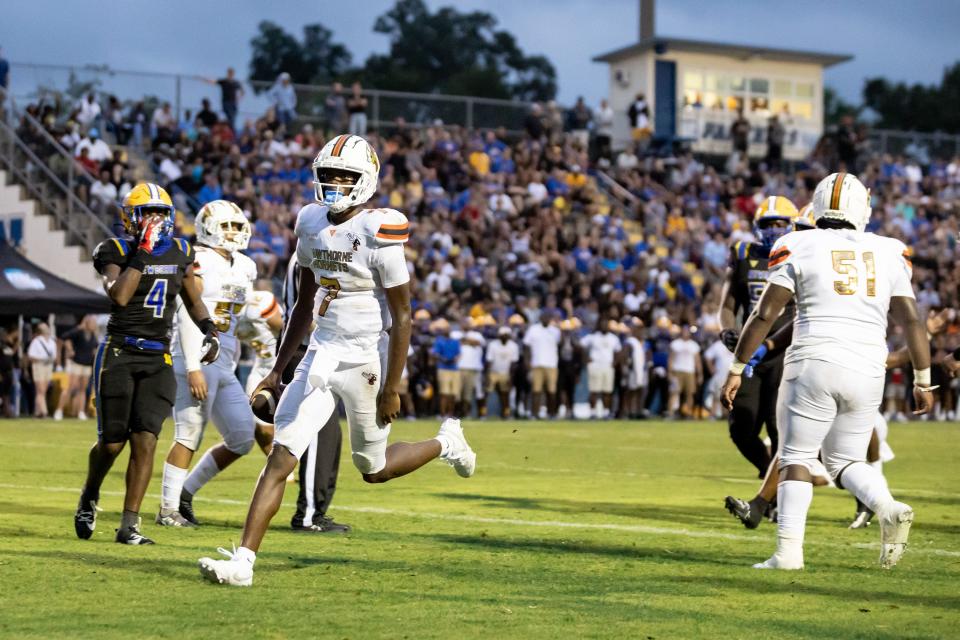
(371, 378)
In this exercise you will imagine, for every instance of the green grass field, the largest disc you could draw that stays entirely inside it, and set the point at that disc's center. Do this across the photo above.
(567, 530)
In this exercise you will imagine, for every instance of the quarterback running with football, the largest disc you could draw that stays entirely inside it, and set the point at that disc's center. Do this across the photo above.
(225, 277)
(133, 371)
(845, 282)
(353, 259)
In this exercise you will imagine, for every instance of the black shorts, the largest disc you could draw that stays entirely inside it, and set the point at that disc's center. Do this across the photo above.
(135, 391)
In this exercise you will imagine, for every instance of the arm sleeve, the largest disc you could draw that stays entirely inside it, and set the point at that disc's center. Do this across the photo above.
(902, 287)
(783, 266)
(191, 340)
(392, 266)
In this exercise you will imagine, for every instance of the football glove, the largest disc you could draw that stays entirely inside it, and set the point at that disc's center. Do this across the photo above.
(730, 339)
(210, 350)
(755, 359)
(150, 235)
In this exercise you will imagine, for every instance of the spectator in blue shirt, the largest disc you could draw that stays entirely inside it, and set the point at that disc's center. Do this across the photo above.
(446, 352)
(211, 189)
(284, 99)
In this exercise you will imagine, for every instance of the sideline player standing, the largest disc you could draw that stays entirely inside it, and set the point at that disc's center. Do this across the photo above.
(756, 403)
(133, 372)
(353, 256)
(225, 277)
(845, 282)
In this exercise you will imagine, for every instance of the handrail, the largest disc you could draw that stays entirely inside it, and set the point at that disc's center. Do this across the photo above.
(618, 189)
(53, 178)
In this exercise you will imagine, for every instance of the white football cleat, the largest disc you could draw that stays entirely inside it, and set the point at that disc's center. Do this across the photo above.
(235, 572)
(779, 562)
(459, 455)
(894, 531)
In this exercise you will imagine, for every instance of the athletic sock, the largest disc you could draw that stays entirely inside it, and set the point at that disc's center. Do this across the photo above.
(245, 554)
(793, 499)
(171, 486)
(201, 474)
(129, 519)
(869, 486)
(444, 445)
(878, 467)
(87, 496)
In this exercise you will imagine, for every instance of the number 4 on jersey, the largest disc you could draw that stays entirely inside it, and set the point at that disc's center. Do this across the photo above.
(156, 300)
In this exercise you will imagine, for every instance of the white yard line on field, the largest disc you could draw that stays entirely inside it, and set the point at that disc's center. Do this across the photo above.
(561, 524)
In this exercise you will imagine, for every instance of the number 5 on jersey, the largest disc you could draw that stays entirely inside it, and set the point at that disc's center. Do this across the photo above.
(845, 263)
(156, 299)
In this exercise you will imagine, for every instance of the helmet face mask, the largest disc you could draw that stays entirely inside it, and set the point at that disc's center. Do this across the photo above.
(332, 185)
(774, 219)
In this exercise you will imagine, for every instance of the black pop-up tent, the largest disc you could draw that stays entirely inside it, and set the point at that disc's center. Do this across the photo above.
(28, 290)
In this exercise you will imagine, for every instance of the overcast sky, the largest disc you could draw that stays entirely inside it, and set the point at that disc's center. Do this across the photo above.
(909, 41)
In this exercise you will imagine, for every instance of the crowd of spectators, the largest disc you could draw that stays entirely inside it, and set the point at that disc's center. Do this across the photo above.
(513, 229)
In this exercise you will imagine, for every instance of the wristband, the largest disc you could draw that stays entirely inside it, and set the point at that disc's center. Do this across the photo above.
(921, 377)
(737, 367)
(136, 260)
(206, 326)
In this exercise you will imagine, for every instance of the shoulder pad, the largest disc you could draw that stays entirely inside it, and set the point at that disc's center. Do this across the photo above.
(311, 219)
(246, 263)
(388, 226)
(111, 248)
(780, 251)
(740, 250)
(185, 247)
(262, 304)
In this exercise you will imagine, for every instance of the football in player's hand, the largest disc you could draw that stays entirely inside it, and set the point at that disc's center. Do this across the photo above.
(264, 404)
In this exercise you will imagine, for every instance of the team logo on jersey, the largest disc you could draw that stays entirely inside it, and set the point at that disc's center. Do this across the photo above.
(754, 263)
(233, 293)
(354, 241)
(371, 378)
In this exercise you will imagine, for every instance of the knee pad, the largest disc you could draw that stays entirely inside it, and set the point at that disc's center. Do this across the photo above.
(239, 443)
(366, 464)
(188, 433)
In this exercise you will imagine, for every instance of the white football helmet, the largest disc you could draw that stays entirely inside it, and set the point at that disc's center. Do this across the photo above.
(221, 225)
(345, 154)
(841, 196)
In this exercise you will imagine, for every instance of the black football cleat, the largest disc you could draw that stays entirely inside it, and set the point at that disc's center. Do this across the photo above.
(743, 511)
(186, 508)
(862, 518)
(326, 525)
(85, 519)
(132, 535)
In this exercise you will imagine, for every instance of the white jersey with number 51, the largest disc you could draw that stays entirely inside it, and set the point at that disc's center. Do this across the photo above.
(353, 263)
(842, 282)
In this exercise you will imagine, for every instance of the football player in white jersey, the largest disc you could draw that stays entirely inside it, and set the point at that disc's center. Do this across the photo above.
(213, 391)
(258, 327)
(351, 260)
(845, 282)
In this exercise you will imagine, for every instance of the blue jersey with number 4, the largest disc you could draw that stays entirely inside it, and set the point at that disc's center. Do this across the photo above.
(149, 314)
